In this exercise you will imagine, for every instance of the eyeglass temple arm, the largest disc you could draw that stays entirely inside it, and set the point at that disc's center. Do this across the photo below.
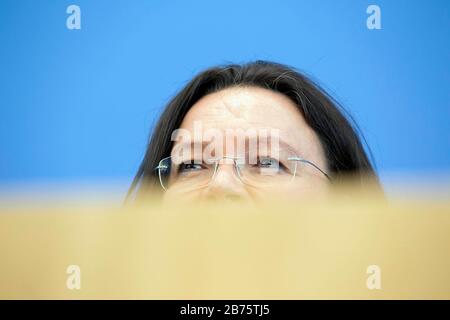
(310, 163)
(161, 166)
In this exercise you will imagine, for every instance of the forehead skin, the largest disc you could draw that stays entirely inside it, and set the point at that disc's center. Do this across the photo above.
(257, 108)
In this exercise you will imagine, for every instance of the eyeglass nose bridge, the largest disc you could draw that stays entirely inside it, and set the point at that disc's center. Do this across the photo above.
(238, 171)
(217, 164)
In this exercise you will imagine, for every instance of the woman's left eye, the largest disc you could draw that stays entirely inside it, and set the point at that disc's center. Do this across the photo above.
(268, 163)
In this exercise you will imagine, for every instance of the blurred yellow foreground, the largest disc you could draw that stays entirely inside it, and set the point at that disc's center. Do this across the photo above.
(314, 250)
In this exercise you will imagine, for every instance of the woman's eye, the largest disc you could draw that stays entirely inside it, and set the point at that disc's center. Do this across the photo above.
(268, 163)
(186, 167)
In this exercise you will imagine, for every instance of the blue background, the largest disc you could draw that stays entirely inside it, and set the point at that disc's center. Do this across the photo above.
(79, 104)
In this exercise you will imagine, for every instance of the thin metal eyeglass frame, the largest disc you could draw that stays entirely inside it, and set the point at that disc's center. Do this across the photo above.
(236, 166)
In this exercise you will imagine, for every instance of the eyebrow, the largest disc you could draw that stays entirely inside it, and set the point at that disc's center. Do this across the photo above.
(283, 145)
(191, 145)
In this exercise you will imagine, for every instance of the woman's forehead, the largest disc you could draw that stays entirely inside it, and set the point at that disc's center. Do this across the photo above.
(252, 108)
(245, 107)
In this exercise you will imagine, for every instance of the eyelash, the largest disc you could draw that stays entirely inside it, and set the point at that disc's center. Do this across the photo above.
(281, 166)
(266, 159)
(182, 167)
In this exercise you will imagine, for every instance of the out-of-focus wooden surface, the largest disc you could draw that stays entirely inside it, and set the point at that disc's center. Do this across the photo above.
(275, 251)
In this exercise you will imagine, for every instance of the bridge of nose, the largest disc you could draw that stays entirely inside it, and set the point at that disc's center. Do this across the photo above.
(226, 178)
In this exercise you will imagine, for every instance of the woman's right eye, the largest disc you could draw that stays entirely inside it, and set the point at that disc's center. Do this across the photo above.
(187, 167)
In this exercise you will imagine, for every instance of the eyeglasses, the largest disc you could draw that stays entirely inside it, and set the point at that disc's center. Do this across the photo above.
(266, 171)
